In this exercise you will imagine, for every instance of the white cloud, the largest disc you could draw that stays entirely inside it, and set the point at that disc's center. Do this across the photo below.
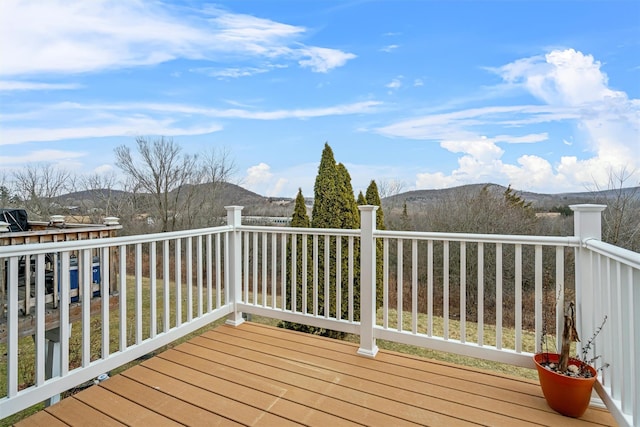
(561, 77)
(394, 84)
(257, 175)
(418, 83)
(573, 89)
(117, 127)
(14, 85)
(390, 48)
(66, 36)
(42, 156)
(104, 169)
(321, 59)
(461, 124)
(436, 180)
(131, 119)
(263, 180)
(233, 73)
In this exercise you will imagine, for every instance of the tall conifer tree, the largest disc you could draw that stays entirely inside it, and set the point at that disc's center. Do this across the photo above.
(373, 198)
(326, 211)
(361, 200)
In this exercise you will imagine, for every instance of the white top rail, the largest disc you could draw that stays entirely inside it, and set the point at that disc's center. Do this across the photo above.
(621, 255)
(43, 248)
(570, 241)
(300, 230)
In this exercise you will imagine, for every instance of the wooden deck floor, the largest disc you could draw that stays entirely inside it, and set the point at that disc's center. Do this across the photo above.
(259, 375)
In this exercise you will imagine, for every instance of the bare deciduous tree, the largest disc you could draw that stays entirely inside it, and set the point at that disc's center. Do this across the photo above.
(621, 218)
(162, 172)
(39, 185)
(181, 187)
(217, 169)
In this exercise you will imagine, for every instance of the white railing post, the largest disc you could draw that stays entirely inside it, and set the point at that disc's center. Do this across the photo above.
(368, 345)
(587, 224)
(234, 252)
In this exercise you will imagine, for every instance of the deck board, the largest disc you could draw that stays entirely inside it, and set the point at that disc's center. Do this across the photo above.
(259, 375)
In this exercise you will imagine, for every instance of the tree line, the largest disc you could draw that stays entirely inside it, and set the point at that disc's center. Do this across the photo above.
(159, 188)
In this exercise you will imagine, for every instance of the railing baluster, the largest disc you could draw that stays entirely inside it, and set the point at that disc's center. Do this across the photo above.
(627, 345)
(463, 292)
(189, 277)
(40, 320)
(414, 286)
(166, 303)
(518, 292)
(209, 267)
(399, 285)
(430, 288)
(12, 325)
(219, 269)
(351, 278)
(122, 274)
(227, 268)
(634, 284)
(178, 280)
(274, 270)
(283, 270)
(315, 275)
(294, 272)
(616, 321)
(245, 262)
(65, 327)
(27, 285)
(105, 295)
(199, 299)
(499, 295)
(327, 264)
(480, 319)
(338, 278)
(538, 297)
(138, 282)
(305, 275)
(264, 269)
(84, 277)
(385, 283)
(153, 309)
(254, 270)
(445, 288)
(559, 295)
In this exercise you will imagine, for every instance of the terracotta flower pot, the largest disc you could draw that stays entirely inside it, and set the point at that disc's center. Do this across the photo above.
(569, 396)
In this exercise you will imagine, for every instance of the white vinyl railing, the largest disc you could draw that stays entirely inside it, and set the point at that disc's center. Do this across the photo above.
(614, 292)
(168, 285)
(486, 296)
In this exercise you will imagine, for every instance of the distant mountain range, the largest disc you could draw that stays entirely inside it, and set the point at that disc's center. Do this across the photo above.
(255, 204)
(539, 201)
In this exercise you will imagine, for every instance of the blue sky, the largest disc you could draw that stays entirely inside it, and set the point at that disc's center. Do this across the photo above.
(542, 95)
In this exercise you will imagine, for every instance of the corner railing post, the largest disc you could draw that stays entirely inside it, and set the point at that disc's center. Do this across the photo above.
(368, 345)
(587, 224)
(234, 287)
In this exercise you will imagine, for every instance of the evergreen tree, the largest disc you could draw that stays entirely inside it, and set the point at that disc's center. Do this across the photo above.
(373, 198)
(300, 217)
(361, 200)
(334, 207)
(350, 219)
(326, 211)
(349, 216)
(405, 221)
(516, 201)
